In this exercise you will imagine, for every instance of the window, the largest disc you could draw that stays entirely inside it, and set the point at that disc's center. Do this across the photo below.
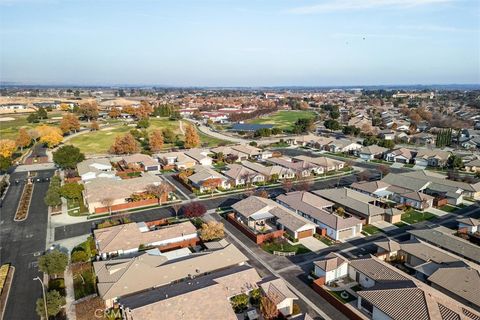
(367, 306)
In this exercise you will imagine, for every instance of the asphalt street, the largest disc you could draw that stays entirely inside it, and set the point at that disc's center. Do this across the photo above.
(21, 244)
(82, 228)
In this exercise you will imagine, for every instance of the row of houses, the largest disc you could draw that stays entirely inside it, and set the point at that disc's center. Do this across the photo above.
(175, 282)
(420, 157)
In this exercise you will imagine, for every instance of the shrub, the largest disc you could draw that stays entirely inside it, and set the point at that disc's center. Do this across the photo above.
(79, 256)
(58, 285)
(239, 302)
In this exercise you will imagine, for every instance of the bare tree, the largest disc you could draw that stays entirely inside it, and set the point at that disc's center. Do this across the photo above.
(159, 190)
(107, 202)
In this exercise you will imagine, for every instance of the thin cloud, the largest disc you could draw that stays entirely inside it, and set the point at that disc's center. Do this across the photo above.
(345, 5)
(436, 28)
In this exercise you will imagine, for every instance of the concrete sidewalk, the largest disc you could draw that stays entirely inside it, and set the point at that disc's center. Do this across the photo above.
(70, 298)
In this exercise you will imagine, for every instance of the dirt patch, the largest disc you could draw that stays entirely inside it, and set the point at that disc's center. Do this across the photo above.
(4, 119)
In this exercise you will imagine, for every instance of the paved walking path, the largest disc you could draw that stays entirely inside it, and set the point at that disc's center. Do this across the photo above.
(70, 298)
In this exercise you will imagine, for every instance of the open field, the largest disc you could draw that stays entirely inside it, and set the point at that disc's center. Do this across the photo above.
(99, 142)
(284, 119)
(9, 129)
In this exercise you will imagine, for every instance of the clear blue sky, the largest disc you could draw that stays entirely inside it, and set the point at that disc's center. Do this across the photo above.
(240, 43)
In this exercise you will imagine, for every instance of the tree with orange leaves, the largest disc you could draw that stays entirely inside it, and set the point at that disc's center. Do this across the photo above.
(114, 112)
(125, 144)
(23, 139)
(192, 139)
(7, 147)
(156, 140)
(69, 123)
(144, 110)
(51, 136)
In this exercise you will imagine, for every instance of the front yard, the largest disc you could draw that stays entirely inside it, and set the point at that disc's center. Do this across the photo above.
(448, 208)
(328, 241)
(370, 229)
(284, 246)
(76, 207)
(414, 216)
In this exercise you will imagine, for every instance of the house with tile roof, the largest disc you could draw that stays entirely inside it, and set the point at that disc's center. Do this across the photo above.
(372, 152)
(332, 267)
(126, 238)
(327, 164)
(432, 158)
(355, 203)
(259, 214)
(301, 168)
(468, 225)
(269, 172)
(241, 175)
(319, 211)
(118, 278)
(96, 168)
(401, 155)
(176, 160)
(203, 174)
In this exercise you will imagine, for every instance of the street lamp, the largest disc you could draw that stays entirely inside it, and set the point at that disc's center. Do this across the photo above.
(44, 297)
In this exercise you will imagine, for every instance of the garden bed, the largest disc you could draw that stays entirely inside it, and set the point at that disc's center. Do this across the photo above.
(84, 281)
(328, 241)
(22, 210)
(338, 295)
(76, 207)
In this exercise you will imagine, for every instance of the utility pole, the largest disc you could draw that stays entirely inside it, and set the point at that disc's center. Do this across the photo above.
(44, 297)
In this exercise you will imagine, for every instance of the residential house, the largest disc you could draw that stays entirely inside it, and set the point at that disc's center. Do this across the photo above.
(127, 238)
(142, 161)
(228, 152)
(401, 155)
(301, 168)
(253, 152)
(345, 146)
(473, 166)
(375, 189)
(388, 293)
(278, 292)
(432, 158)
(204, 298)
(443, 238)
(203, 174)
(355, 203)
(414, 199)
(319, 211)
(468, 225)
(372, 152)
(423, 138)
(119, 278)
(95, 168)
(387, 134)
(106, 194)
(241, 175)
(327, 164)
(200, 156)
(260, 214)
(176, 160)
(331, 267)
(280, 172)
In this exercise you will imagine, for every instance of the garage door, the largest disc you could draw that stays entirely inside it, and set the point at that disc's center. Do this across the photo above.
(344, 234)
(304, 234)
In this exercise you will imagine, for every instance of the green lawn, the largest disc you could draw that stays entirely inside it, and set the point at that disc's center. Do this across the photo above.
(448, 208)
(272, 246)
(76, 207)
(370, 229)
(9, 129)
(284, 119)
(382, 162)
(400, 224)
(414, 216)
(98, 142)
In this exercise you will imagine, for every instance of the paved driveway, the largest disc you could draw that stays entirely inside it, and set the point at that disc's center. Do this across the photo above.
(437, 212)
(384, 225)
(313, 244)
(397, 165)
